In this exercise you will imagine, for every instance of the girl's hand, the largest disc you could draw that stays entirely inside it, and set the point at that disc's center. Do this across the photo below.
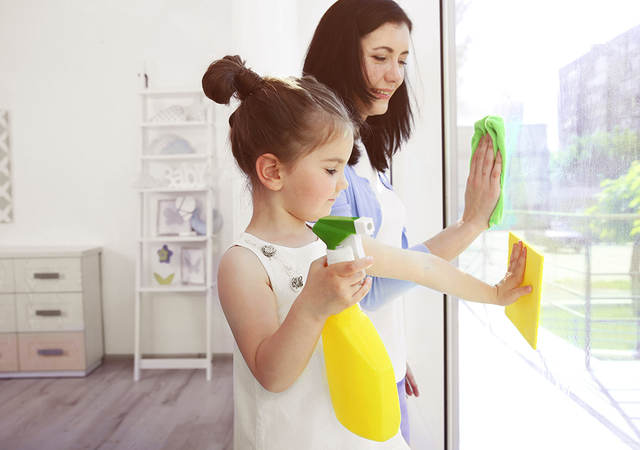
(483, 185)
(509, 290)
(331, 289)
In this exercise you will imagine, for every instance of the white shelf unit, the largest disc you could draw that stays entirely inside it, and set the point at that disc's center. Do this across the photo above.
(175, 162)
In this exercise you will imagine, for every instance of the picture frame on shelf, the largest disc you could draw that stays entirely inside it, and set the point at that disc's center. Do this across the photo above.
(192, 265)
(170, 220)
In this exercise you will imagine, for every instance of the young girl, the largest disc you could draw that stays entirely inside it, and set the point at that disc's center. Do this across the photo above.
(293, 138)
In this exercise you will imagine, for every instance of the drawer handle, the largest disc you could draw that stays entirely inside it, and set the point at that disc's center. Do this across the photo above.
(50, 352)
(46, 275)
(48, 312)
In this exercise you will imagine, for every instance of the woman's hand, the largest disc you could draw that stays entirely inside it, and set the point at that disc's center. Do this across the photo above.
(483, 185)
(508, 290)
(332, 288)
(410, 385)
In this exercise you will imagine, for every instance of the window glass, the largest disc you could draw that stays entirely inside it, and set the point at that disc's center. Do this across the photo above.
(565, 76)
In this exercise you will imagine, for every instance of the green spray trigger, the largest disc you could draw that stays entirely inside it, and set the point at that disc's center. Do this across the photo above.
(343, 236)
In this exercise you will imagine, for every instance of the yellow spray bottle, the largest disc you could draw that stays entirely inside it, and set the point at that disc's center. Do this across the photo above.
(359, 371)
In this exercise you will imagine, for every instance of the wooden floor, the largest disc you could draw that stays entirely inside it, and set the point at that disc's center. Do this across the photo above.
(166, 409)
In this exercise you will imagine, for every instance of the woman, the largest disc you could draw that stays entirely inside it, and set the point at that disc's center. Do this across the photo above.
(359, 49)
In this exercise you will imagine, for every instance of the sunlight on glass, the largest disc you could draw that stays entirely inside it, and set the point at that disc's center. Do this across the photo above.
(565, 76)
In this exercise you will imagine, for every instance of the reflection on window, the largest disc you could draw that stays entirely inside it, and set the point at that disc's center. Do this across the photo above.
(569, 93)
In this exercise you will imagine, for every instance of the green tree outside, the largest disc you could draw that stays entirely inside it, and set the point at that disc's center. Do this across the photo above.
(622, 195)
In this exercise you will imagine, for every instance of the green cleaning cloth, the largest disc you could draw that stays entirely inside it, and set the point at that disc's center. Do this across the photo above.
(493, 125)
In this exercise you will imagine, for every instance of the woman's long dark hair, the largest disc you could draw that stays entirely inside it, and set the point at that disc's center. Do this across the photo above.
(335, 58)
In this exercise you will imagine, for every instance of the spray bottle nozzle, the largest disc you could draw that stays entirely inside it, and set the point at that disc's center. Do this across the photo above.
(343, 236)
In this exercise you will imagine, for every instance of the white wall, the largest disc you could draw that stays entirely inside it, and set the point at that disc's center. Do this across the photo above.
(68, 78)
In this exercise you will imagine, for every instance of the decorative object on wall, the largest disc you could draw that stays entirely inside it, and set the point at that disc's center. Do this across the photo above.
(6, 202)
(193, 265)
(169, 220)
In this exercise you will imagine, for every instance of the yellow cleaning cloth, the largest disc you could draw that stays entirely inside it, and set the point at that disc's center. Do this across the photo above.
(525, 312)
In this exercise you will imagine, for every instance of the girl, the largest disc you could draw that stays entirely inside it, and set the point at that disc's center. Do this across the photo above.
(293, 138)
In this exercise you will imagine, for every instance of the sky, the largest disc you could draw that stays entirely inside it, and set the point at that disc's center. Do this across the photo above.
(516, 48)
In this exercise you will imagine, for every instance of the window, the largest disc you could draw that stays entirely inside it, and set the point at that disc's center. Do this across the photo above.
(552, 71)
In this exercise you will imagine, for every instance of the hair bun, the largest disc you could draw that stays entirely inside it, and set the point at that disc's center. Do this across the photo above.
(228, 76)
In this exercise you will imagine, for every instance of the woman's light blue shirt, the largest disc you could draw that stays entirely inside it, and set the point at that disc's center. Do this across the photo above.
(359, 200)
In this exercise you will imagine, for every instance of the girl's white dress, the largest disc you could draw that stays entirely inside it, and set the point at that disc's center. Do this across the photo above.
(301, 417)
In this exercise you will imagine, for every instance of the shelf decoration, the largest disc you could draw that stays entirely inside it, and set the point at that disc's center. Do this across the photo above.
(6, 201)
(163, 280)
(166, 267)
(186, 206)
(170, 221)
(192, 265)
(200, 226)
(170, 144)
(174, 113)
(164, 254)
(178, 113)
(186, 176)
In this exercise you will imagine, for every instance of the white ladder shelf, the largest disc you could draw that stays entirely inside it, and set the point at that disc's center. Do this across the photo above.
(203, 155)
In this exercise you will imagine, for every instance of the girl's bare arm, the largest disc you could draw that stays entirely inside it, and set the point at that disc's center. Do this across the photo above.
(434, 272)
(277, 353)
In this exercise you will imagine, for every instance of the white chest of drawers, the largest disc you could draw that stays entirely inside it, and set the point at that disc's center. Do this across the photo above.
(50, 311)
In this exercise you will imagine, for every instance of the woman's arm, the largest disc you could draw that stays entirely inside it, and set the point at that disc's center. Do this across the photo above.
(434, 272)
(481, 195)
(277, 353)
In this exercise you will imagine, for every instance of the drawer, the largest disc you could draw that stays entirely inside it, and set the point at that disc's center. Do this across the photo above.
(51, 351)
(7, 313)
(8, 353)
(6, 276)
(49, 312)
(48, 275)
